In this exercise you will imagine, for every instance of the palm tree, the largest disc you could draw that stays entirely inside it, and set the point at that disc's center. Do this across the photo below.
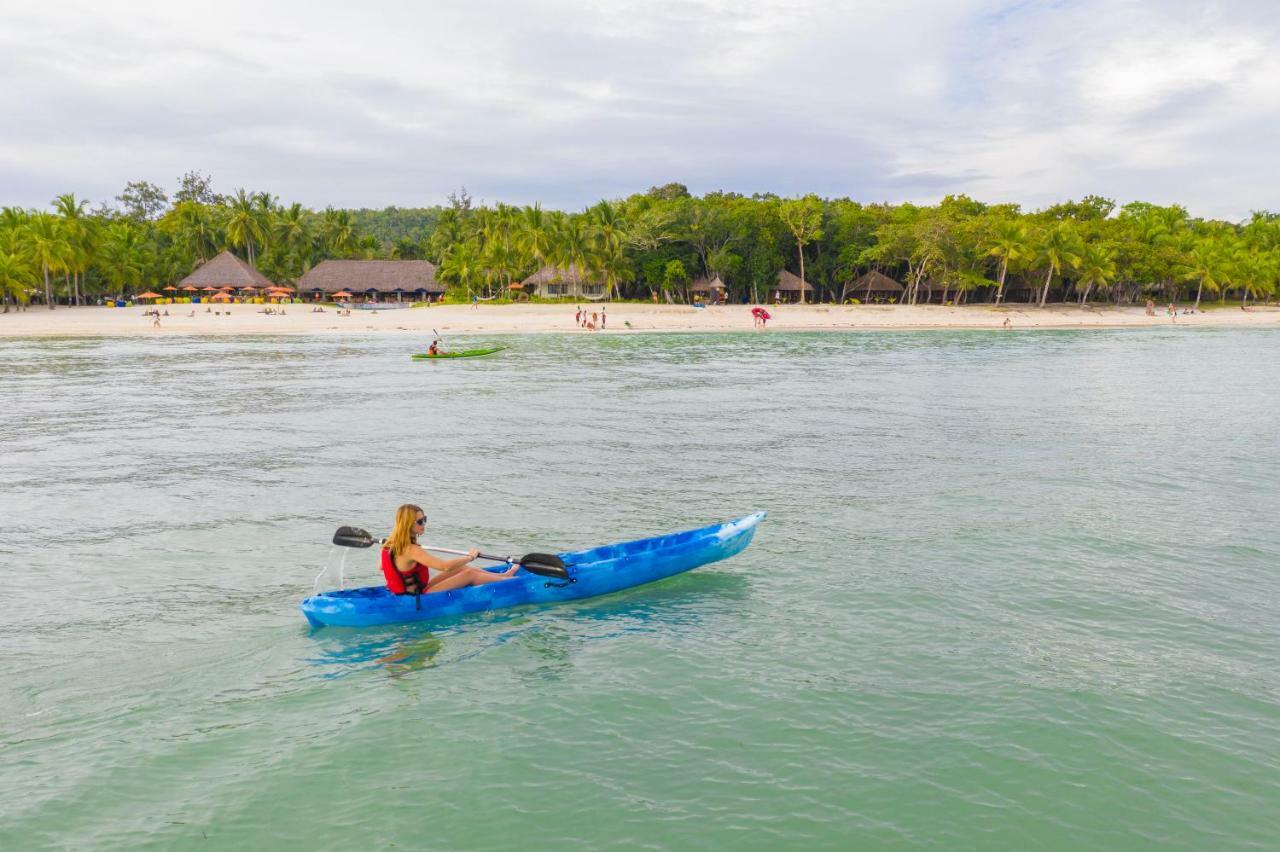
(1206, 265)
(1009, 243)
(124, 256)
(337, 232)
(537, 237)
(50, 248)
(572, 248)
(79, 232)
(462, 265)
(1097, 268)
(1058, 250)
(292, 233)
(612, 264)
(17, 276)
(244, 223)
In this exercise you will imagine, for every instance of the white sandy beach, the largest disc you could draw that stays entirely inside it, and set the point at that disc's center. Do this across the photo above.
(623, 318)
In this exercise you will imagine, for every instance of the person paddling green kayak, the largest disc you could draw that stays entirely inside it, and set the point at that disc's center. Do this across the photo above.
(407, 567)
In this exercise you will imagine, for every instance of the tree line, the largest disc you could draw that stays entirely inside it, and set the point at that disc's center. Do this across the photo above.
(655, 243)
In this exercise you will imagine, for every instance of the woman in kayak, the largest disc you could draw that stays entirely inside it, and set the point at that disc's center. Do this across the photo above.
(434, 349)
(410, 563)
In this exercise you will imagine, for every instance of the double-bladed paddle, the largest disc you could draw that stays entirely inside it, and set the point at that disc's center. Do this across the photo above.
(543, 564)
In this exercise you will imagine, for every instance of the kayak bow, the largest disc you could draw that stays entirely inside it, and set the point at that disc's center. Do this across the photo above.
(467, 353)
(597, 571)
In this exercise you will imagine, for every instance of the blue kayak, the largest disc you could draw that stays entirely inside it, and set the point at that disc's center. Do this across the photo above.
(597, 571)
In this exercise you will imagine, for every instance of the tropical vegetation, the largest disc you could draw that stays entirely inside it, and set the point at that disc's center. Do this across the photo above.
(653, 245)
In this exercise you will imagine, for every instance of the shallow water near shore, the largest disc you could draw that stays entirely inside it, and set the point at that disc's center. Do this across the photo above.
(1015, 590)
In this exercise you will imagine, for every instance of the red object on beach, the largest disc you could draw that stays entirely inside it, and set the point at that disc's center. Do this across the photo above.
(147, 295)
(342, 294)
(760, 312)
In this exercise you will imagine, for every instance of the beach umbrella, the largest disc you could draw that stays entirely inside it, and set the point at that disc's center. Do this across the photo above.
(170, 289)
(190, 288)
(210, 289)
(221, 297)
(147, 295)
(342, 294)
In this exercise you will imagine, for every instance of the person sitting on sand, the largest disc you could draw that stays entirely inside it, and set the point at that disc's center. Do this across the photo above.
(407, 567)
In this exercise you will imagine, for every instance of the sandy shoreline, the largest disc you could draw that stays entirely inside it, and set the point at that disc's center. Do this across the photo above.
(622, 319)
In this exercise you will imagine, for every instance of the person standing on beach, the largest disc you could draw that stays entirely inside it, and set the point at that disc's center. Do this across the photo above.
(603, 317)
(577, 318)
(1008, 323)
(594, 321)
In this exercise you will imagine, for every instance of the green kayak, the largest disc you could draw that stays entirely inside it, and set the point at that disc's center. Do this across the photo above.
(468, 353)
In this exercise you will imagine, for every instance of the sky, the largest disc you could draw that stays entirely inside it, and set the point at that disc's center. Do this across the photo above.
(375, 103)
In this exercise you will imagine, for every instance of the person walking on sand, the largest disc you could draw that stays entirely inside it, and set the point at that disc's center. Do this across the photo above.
(407, 567)
(155, 322)
(1151, 307)
(1008, 323)
(604, 318)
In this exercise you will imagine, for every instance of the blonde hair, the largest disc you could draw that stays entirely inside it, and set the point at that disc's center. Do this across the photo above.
(402, 534)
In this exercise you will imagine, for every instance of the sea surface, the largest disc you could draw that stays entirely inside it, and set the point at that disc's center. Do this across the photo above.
(1016, 590)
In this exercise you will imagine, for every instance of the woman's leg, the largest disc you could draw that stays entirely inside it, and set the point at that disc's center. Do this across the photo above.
(469, 576)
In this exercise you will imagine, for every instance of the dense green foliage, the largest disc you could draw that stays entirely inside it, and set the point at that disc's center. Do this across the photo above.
(655, 243)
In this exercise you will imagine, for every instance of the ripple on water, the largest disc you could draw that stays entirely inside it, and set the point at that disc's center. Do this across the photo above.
(1008, 593)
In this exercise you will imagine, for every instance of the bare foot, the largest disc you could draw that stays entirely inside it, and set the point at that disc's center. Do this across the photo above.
(511, 572)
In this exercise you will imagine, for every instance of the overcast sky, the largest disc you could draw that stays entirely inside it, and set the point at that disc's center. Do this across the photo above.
(381, 103)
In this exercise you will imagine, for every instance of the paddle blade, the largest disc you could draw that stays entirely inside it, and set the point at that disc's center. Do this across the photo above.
(545, 565)
(352, 537)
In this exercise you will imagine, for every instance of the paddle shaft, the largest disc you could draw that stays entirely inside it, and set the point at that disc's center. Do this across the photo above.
(464, 553)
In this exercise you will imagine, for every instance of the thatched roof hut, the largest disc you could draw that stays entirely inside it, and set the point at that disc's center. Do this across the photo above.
(558, 281)
(225, 270)
(709, 285)
(790, 287)
(872, 282)
(363, 276)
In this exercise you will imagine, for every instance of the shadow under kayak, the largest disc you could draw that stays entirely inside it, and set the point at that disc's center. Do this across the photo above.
(597, 571)
(466, 353)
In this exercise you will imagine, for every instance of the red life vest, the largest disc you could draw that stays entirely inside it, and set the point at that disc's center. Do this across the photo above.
(413, 583)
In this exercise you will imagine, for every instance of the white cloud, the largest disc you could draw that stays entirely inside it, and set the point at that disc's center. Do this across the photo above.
(390, 103)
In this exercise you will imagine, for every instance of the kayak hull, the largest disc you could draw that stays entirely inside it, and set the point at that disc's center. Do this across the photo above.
(597, 571)
(469, 353)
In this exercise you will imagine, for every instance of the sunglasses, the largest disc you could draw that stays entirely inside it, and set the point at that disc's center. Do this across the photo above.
(421, 521)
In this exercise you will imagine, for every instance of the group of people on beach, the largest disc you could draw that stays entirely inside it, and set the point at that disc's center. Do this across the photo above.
(593, 321)
(1171, 311)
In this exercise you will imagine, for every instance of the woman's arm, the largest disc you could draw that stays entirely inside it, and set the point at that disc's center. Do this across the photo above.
(436, 563)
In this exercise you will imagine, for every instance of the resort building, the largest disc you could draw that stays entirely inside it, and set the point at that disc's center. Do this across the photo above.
(789, 288)
(373, 280)
(225, 270)
(872, 287)
(554, 282)
(710, 289)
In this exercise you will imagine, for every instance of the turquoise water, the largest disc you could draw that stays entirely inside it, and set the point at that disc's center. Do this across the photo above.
(1015, 590)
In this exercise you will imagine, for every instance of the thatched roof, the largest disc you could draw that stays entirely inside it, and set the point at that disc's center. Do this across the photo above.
(556, 275)
(226, 269)
(789, 282)
(874, 282)
(385, 276)
(705, 285)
